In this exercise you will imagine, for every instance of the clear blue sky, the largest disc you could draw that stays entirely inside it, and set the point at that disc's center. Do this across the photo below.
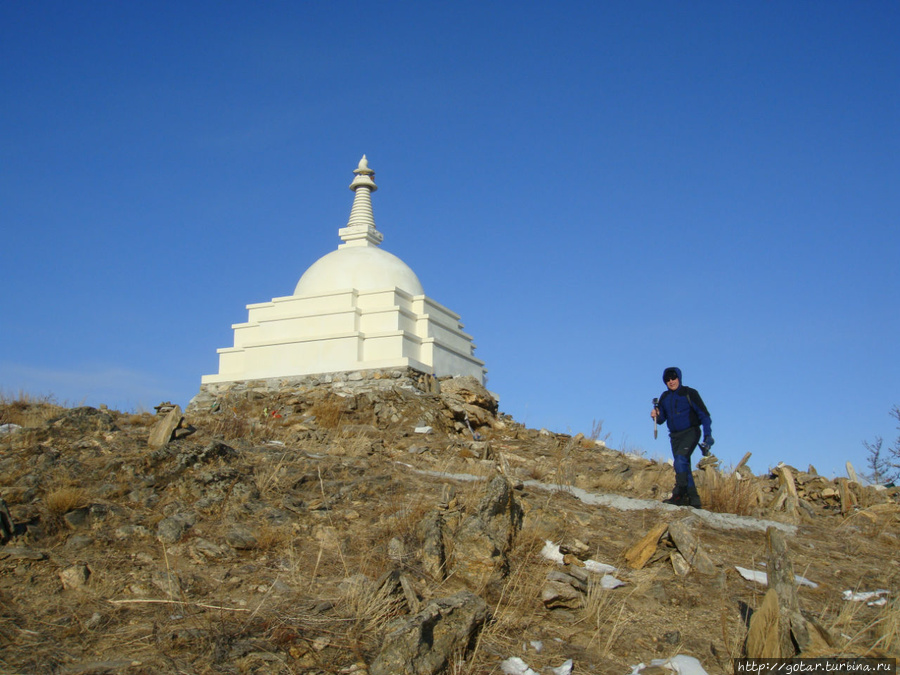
(599, 189)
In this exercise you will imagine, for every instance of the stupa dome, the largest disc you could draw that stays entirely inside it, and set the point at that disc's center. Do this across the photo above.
(358, 263)
(365, 268)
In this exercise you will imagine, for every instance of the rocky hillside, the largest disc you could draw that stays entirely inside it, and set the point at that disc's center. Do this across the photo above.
(388, 523)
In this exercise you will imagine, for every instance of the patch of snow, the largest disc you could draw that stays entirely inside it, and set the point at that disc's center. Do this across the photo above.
(680, 664)
(516, 666)
(598, 567)
(551, 552)
(609, 582)
(763, 578)
(871, 598)
(722, 521)
(8, 428)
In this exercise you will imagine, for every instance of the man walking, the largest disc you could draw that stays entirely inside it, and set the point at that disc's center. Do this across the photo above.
(682, 409)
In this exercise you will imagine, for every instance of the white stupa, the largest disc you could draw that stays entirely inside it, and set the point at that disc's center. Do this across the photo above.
(356, 308)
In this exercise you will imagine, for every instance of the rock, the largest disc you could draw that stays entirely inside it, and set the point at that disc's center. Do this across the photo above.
(78, 519)
(75, 576)
(241, 538)
(7, 527)
(433, 553)
(689, 546)
(202, 549)
(638, 555)
(78, 541)
(396, 550)
(83, 420)
(425, 643)
(679, 565)
(565, 588)
(168, 582)
(468, 390)
(162, 431)
(98, 667)
(21, 553)
(484, 539)
(792, 627)
(210, 452)
(763, 635)
(171, 530)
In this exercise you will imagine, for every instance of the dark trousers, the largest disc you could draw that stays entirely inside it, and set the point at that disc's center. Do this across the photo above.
(683, 444)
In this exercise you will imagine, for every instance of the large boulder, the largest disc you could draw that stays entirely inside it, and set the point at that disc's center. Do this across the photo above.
(82, 421)
(467, 398)
(485, 538)
(425, 643)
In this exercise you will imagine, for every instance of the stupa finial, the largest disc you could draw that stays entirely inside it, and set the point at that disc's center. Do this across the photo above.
(361, 230)
(363, 167)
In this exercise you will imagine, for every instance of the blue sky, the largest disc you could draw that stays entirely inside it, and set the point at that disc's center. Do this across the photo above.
(599, 189)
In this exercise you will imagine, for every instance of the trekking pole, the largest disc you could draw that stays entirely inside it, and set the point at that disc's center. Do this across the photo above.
(655, 407)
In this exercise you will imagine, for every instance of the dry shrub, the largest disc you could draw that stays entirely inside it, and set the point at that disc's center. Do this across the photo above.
(267, 477)
(144, 419)
(565, 469)
(609, 482)
(231, 425)
(730, 495)
(26, 410)
(328, 412)
(887, 629)
(368, 607)
(270, 538)
(537, 471)
(62, 500)
(518, 606)
(603, 610)
(878, 637)
(352, 445)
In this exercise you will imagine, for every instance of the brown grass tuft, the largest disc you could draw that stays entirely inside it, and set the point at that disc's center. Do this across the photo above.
(328, 412)
(27, 410)
(62, 500)
(729, 495)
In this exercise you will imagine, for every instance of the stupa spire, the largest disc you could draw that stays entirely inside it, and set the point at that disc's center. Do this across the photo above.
(361, 230)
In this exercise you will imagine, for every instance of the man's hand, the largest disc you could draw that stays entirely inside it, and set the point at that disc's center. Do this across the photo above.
(706, 444)
(654, 413)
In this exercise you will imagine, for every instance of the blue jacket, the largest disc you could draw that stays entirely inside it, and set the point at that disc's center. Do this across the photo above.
(683, 408)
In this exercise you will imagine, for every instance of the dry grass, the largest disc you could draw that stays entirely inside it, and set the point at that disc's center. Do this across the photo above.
(328, 412)
(302, 589)
(517, 607)
(887, 630)
(604, 610)
(143, 419)
(27, 410)
(229, 425)
(729, 495)
(861, 634)
(62, 500)
(273, 538)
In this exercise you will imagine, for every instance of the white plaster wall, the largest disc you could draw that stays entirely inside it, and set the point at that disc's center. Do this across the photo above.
(345, 331)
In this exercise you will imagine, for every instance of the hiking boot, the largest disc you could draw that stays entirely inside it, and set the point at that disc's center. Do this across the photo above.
(678, 499)
(693, 498)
